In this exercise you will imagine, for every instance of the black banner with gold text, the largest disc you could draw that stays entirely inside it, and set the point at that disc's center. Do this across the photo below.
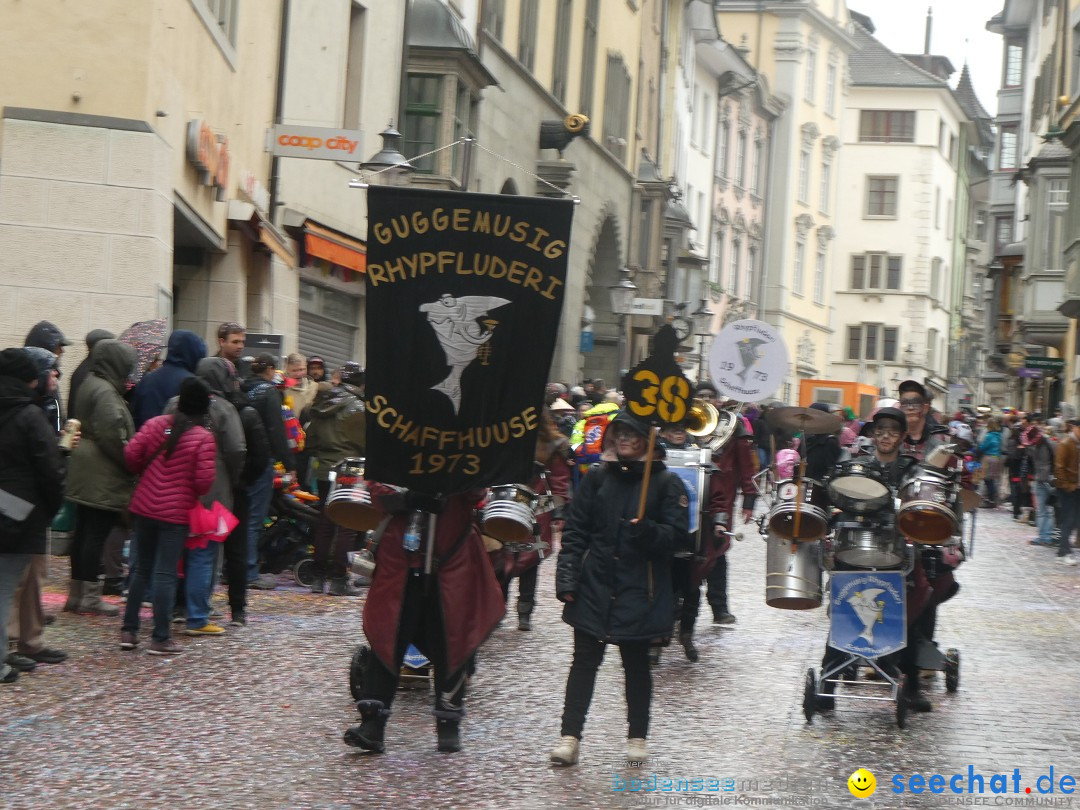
(464, 295)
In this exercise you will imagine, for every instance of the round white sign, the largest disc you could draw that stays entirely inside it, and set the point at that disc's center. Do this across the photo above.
(748, 361)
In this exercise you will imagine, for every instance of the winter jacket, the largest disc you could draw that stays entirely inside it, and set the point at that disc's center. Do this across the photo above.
(32, 468)
(258, 446)
(82, 371)
(148, 399)
(1066, 459)
(230, 449)
(991, 443)
(1041, 460)
(336, 427)
(266, 399)
(620, 573)
(169, 486)
(97, 474)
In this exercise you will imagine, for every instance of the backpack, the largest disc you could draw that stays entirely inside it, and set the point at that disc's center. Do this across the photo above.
(258, 445)
(592, 445)
(1010, 447)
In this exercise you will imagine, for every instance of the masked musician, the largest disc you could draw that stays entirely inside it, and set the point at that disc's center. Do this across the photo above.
(614, 577)
(446, 610)
(922, 433)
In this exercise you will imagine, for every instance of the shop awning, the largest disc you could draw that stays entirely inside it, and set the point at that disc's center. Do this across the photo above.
(249, 219)
(335, 247)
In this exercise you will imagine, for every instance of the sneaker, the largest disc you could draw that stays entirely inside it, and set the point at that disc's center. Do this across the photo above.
(636, 750)
(128, 641)
(1068, 559)
(169, 646)
(216, 614)
(723, 618)
(47, 655)
(566, 752)
(20, 662)
(207, 629)
(689, 648)
(179, 616)
(239, 619)
(1041, 543)
(266, 582)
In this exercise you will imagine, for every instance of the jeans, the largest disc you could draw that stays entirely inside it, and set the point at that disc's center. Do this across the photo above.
(160, 545)
(198, 578)
(588, 655)
(1069, 502)
(11, 571)
(259, 495)
(1044, 518)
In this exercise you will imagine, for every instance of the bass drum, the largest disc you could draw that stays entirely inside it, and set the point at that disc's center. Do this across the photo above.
(927, 512)
(792, 574)
(805, 505)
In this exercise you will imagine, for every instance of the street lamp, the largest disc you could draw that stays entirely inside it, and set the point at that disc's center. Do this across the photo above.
(622, 304)
(389, 160)
(703, 317)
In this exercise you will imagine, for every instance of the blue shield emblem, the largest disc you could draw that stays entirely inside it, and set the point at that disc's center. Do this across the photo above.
(869, 616)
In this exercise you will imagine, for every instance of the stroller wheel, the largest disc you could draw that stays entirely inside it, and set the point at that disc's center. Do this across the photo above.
(304, 572)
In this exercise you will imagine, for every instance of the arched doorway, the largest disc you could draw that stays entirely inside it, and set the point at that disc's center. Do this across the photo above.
(603, 360)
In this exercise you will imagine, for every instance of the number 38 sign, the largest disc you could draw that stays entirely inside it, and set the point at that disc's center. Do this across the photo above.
(656, 390)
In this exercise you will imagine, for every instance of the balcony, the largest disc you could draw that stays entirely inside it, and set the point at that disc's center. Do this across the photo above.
(1043, 323)
(1070, 299)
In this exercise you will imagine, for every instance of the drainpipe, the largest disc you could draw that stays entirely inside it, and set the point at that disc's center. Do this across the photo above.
(279, 103)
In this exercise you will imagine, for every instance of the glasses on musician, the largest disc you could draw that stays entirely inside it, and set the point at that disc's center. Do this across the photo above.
(884, 431)
(912, 403)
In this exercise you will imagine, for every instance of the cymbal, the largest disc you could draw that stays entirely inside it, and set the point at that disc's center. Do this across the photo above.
(805, 420)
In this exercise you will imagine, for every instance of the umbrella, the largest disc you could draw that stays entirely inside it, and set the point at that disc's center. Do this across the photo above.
(148, 339)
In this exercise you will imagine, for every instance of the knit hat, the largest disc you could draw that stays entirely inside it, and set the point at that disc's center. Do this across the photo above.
(18, 364)
(194, 397)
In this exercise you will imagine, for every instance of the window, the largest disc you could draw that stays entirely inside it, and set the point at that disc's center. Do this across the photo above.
(943, 137)
(882, 195)
(755, 170)
(706, 118)
(463, 114)
(616, 106)
(980, 224)
(819, 277)
(223, 12)
(811, 75)
(527, 41)
(561, 60)
(876, 271)
(826, 179)
(736, 249)
(935, 278)
(751, 272)
(588, 55)
(830, 90)
(1014, 63)
(1057, 196)
(1007, 155)
(740, 159)
(800, 256)
(354, 69)
(887, 126)
(1003, 233)
(937, 208)
(722, 148)
(931, 345)
(423, 114)
(872, 341)
(494, 16)
(804, 175)
(1057, 192)
(645, 233)
(718, 258)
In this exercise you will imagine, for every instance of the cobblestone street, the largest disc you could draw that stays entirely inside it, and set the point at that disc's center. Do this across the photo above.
(254, 719)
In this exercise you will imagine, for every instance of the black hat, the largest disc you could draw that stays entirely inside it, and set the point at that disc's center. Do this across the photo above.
(352, 373)
(916, 386)
(890, 413)
(18, 364)
(194, 397)
(315, 360)
(47, 336)
(705, 385)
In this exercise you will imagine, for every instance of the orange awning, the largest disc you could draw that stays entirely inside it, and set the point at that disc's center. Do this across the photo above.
(335, 247)
(272, 238)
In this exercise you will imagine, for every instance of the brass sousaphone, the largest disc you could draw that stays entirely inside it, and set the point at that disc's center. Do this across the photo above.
(704, 419)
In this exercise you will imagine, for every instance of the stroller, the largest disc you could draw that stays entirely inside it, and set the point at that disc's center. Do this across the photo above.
(286, 542)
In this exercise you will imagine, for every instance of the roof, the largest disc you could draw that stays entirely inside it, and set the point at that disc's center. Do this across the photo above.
(433, 25)
(874, 65)
(969, 102)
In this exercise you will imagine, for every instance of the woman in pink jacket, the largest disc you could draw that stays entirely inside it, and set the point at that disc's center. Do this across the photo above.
(174, 455)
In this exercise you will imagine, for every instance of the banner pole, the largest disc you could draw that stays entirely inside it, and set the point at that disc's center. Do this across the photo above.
(430, 542)
(653, 431)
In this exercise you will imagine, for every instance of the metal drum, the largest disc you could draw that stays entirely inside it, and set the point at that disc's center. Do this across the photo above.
(349, 503)
(869, 544)
(792, 574)
(509, 513)
(927, 512)
(859, 487)
(811, 500)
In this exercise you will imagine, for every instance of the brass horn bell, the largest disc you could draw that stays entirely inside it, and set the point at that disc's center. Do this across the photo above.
(705, 420)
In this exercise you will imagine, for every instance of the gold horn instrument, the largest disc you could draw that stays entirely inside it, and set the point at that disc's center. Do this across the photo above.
(704, 420)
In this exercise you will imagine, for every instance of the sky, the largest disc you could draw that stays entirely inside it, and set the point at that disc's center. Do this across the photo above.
(958, 32)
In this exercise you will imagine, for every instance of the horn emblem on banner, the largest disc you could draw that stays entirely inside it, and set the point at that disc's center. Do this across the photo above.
(656, 390)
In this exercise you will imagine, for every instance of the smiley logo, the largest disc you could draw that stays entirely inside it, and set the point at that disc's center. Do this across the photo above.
(862, 783)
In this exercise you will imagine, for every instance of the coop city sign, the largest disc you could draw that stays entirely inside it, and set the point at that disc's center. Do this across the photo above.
(320, 143)
(209, 153)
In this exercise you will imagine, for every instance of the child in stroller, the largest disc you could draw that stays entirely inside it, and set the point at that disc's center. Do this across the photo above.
(286, 542)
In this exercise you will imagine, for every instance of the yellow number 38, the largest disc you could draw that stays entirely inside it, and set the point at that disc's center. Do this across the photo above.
(667, 398)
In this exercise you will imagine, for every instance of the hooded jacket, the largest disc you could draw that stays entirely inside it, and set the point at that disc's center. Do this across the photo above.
(83, 369)
(267, 401)
(32, 468)
(336, 427)
(148, 400)
(97, 473)
(620, 572)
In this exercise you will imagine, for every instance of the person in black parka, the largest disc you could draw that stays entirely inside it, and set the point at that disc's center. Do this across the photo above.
(614, 576)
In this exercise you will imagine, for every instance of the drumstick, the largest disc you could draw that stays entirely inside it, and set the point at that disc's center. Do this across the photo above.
(798, 498)
(648, 471)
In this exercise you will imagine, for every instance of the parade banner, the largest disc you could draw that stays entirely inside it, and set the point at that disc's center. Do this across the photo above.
(748, 361)
(868, 612)
(656, 390)
(464, 296)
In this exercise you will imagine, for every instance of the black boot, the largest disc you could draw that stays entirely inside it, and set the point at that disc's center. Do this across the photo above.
(915, 700)
(446, 726)
(114, 586)
(525, 610)
(687, 641)
(369, 735)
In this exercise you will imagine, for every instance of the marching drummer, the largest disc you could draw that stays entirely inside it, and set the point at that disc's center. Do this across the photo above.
(923, 434)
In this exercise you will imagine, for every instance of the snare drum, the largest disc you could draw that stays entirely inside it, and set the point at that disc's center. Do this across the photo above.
(927, 512)
(509, 513)
(348, 503)
(811, 500)
(859, 487)
(869, 544)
